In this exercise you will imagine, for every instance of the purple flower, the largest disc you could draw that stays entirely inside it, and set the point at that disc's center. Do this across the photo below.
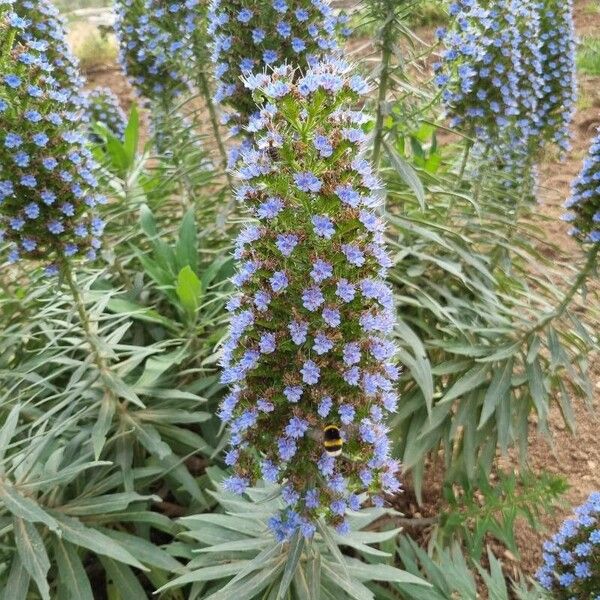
(310, 372)
(270, 208)
(321, 271)
(286, 242)
(298, 331)
(348, 195)
(296, 427)
(293, 393)
(236, 485)
(323, 145)
(346, 291)
(279, 281)
(312, 298)
(323, 226)
(346, 412)
(287, 448)
(351, 354)
(322, 344)
(267, 343)
(325, 406)
(354, 255)
(307, 182)
(331, 316)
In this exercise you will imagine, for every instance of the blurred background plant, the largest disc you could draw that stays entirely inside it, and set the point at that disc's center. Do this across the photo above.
(109, 477)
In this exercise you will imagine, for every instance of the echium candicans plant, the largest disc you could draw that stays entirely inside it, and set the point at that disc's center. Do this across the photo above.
(48, 189)
(47, 29)
(308, 345)
(571, 567)
(249, 36)
(104, 107)
(154, 56)
(559, 90)
(584, 203)
(490, 70)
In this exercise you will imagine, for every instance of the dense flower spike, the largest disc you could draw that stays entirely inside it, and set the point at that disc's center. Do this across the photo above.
(155, 41)
(584, 203)
(491, 69)
(559, 92)
(104, 107)
(308, 344)
(250, 35)
(47, 179)
(571, 568)
(45, 27)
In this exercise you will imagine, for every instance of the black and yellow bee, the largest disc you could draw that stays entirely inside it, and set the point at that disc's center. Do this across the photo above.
(332, 440)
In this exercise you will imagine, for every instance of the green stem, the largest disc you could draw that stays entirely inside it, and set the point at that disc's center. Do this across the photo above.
(384, 79)
(576, 285)
(84, 317)
(465, 160)
(205, 90)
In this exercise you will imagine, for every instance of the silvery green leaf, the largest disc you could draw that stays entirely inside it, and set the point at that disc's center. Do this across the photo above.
(71, 571)
(80, 535)
(33, 555)
(25, 508)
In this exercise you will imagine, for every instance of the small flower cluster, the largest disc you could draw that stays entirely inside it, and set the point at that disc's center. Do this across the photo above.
(104, 107)
(47, 181)
(559, 91)
(251, 35)
(571, 569)
(46, 28)
(584, 203)
(491, 70)
(155, 45)
(308, 345)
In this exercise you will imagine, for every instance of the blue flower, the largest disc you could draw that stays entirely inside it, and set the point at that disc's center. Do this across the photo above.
(307, 182)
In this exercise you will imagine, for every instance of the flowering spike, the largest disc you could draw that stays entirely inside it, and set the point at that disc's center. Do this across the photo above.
(104, 107)
(156, 46)
(249, 36)
(308, 342)
(559, 93)
(584, 203)
(47, 181)
(491, 69)
(39, 21)
(571, 567)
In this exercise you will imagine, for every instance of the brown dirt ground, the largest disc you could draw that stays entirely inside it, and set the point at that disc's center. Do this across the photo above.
(576, 457)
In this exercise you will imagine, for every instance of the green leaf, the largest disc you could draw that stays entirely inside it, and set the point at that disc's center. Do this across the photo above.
(187, 244)
(125, 581)
(104, 504)
(293, 558)
(407, 174)
(86, 537)
(32, 553)
(17, 585)
(497, 392)
(189, 290)
(71, 571)
(25, 508)
(103, 424)
(471, 380)
(8, 429)
(131, 136)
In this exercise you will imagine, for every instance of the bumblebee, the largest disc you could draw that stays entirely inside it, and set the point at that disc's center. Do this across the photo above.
(332, 440)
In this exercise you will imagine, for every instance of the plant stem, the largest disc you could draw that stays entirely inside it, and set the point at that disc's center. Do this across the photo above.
(84, 317)
(205, 90)
(384, 78)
